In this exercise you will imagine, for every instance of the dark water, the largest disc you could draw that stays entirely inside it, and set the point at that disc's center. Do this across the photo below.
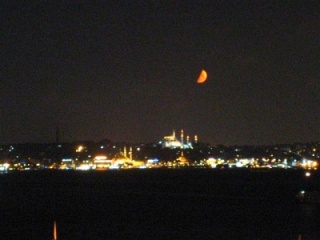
(158, 204)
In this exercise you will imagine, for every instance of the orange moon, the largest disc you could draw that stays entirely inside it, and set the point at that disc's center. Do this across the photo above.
(202, 77)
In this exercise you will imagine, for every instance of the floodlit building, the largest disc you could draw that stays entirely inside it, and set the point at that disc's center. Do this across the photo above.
(172, 141)
(101, 162)
(121, 160)
(182, 160)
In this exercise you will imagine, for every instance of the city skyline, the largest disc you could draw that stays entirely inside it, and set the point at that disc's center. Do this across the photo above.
(128, 71)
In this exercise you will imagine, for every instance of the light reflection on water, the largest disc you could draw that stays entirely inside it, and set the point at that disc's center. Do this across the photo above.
(154, 205)
(310, 220)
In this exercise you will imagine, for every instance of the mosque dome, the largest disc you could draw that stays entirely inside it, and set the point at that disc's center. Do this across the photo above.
(182, 160)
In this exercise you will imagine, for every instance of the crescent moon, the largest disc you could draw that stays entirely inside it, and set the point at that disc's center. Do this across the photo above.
(202, 77)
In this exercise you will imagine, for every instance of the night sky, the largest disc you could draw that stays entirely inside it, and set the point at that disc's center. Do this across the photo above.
(127, 71)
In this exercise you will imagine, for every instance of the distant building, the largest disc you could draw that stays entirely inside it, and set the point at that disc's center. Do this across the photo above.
(172, 141)
(182, 160)
(101, 162)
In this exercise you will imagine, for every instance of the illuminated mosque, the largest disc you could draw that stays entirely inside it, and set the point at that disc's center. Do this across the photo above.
(172, 141)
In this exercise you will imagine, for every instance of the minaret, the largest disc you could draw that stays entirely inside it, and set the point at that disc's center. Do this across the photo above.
(182, 138)
(125, 151)
(174, 134)
(188, 137)
(195, 138)
(130, 153)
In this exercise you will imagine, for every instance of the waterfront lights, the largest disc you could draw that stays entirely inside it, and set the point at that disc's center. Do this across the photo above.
(4, 167)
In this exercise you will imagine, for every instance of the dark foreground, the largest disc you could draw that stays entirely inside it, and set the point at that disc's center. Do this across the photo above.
(158, 204)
